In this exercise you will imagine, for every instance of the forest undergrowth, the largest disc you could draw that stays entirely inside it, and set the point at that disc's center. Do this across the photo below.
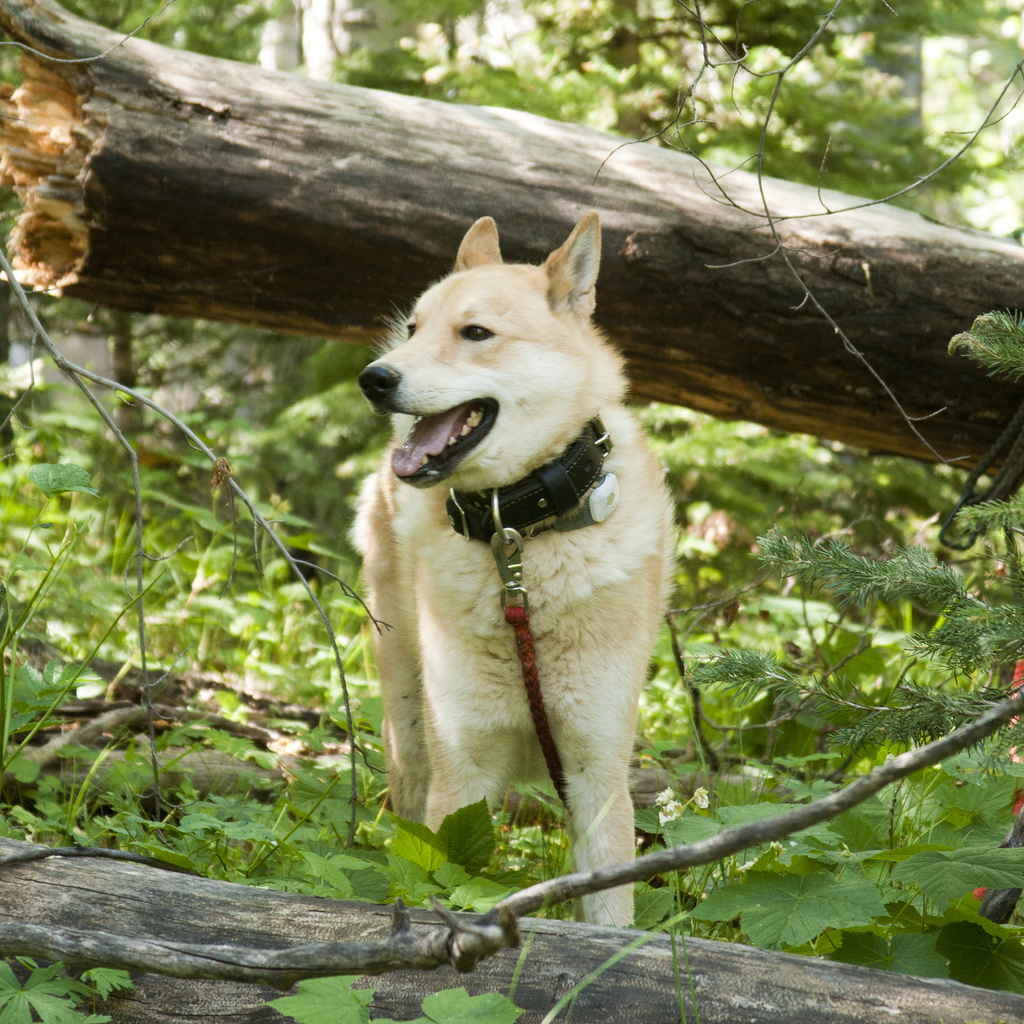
(819, 625)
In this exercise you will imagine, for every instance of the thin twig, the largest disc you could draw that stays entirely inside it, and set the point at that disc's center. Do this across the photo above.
(98, 56)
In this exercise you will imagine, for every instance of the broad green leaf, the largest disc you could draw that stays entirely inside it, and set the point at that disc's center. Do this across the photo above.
(466, 836)
(330, 873)
(450, 875)
(193, 823)
(944, 876)
(864, 827)
(456, 1006)
(650, 906)
(60, 478)
(410, 881)
(904, 953)
(789, 910)
(108, 979)
(479, 894)
(690, 828)
(416, 843)
(249, 831)
(903, 853)
(24, 770)
(327, 1001)
(745, 814)
(977, 958)
(53, 999)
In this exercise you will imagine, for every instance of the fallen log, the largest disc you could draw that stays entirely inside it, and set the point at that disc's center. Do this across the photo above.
(159, 180)
(732, 984)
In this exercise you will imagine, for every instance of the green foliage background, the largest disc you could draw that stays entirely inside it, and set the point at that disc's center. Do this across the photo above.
(824, 626)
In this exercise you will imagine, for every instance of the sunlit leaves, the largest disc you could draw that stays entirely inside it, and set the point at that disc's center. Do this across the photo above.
(61, 479)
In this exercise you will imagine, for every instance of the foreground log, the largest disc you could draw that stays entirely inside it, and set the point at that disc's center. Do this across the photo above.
(160, 180)
(733, 984)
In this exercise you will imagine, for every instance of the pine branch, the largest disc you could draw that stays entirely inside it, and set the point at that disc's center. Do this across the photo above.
(744, 670)
(912, 574)
(996, 340)
(993, 515)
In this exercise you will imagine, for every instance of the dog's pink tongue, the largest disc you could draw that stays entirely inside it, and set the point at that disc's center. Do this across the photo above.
(428, 437)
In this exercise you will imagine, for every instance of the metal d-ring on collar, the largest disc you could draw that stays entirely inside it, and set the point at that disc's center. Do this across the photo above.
(510, 565)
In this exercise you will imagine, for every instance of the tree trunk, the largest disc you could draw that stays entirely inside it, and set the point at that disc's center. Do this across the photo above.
(732, 984)
(159, 180)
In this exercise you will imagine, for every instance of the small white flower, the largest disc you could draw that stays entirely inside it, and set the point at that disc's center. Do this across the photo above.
(670, 811)
(666, 796)
(700, 798)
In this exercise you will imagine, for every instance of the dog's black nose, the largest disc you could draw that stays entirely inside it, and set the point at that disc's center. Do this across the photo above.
(378, 382)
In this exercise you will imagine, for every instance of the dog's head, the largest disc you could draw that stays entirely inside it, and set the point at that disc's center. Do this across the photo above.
(498, 367)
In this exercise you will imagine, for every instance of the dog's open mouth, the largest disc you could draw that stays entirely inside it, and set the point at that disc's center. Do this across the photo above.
(439, 442)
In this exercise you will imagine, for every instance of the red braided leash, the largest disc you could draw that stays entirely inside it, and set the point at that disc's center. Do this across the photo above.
(519, 619)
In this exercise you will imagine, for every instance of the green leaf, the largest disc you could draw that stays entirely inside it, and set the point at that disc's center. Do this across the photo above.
(651, 906)
(744, 815)
(24, 770)
(52, 998)
(456, 1006)
(467, 836)
(410, 881)
(325, 869)
(904, 953)
(789, 910)
(480, 894)
(690, 828)
(977, 958)
(108, 979)
(903, 853)
(327, 1001)
(60, 478)
(451, 875)
(944, 876)
(416, 843)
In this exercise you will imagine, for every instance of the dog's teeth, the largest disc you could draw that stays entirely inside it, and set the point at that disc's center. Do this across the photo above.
(424, 462)
(474, 418)
(466, 428)
(452, 440)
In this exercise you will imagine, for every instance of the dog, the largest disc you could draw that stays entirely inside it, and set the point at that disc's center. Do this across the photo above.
(494, 381)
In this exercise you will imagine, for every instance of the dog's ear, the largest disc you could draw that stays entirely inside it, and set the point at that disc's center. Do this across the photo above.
(480, 246)
(572, 269)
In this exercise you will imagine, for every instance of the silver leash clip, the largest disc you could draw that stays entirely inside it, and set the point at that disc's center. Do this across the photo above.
(509, 563)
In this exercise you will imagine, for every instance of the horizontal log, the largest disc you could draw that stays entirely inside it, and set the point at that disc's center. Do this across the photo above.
(159, 180)
(733, 984)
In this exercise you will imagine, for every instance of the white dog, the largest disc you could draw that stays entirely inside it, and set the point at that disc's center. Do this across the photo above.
(498, 380)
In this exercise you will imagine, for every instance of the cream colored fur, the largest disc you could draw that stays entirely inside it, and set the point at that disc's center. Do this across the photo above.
(457, 723)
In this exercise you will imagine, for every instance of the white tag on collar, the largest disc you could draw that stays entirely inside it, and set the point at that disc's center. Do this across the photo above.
(604, 498)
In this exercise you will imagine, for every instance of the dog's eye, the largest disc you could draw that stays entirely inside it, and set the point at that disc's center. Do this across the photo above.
(474, 332)
(411, 329)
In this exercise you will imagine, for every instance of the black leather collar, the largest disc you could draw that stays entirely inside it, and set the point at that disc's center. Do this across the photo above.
(554, 490)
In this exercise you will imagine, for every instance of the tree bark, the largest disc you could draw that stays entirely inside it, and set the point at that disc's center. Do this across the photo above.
(732, 984)
(159, 180)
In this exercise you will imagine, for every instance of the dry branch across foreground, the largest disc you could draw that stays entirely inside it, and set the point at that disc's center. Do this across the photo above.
(160, 180)
(733, 984)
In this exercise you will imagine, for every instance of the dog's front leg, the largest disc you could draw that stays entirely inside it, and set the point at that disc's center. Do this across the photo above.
(465, 767)
(600, 825)
(388, 583)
